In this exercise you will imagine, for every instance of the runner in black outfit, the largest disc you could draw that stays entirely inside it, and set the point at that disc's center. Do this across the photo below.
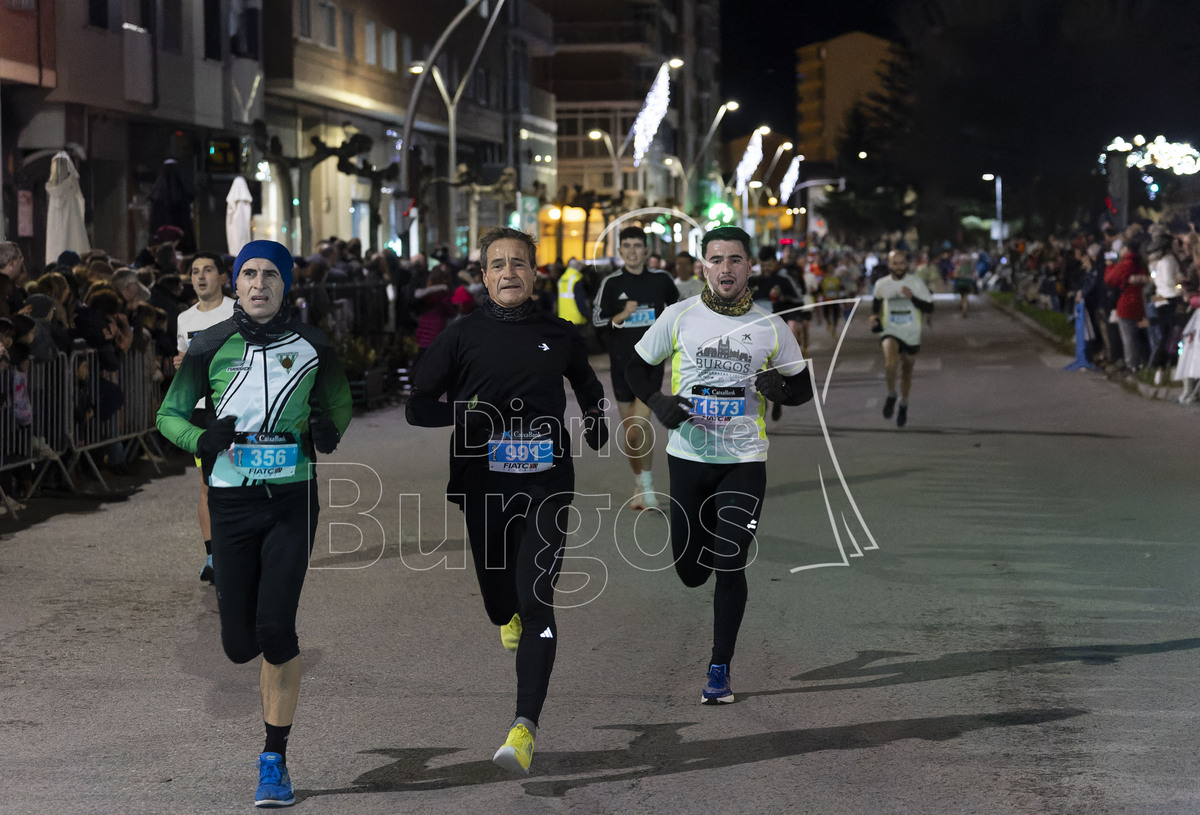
(630, 300)
(501, 368)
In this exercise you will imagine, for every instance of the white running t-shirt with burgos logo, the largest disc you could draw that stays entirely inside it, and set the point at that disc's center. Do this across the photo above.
(714, 360)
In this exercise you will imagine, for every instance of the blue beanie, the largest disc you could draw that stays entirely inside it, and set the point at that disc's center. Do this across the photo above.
(273, 251)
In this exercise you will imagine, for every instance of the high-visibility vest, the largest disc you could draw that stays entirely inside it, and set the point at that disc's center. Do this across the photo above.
(568, 309)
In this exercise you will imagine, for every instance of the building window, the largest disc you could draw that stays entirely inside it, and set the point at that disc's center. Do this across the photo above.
(370, 54)
(387, 49)
(407, 54)
(348, 34)
(243, 38)
(171, 28)
(212, 30)
(478, 88)
(304, 19)
(140, 15)
(98, 13)
(325, 24)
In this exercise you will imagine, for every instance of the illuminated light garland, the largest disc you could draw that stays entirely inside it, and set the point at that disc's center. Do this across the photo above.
(651, 115)
(749, 163)
(1178, 157)
(789, 180)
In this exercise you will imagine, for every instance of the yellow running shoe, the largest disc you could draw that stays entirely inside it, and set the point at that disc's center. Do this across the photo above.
(517, 751)
(510, 634)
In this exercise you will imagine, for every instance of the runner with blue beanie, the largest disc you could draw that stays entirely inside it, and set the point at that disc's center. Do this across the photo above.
(277, 396)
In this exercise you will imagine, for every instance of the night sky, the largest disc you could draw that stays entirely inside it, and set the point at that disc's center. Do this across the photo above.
(758, 43)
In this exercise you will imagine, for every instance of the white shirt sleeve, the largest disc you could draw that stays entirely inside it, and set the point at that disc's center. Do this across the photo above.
(657, 343)
(787, 357)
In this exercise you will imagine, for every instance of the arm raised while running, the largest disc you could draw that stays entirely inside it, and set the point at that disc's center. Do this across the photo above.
(433, 378)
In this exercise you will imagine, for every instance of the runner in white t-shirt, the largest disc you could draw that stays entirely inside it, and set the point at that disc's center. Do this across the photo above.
(899, 303)
(728, 358)
(208, 279)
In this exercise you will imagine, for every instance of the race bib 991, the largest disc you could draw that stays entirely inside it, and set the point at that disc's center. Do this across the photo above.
(520, 453)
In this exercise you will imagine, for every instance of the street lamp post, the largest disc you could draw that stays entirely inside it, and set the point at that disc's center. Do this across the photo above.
(618, 177)
(779, 151)
(721, 111)
(999, 213)
(451, 134)
(675, 167)
(405, 182)
(746, 168)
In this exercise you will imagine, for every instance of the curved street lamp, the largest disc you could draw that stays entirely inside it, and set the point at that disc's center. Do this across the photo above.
(405, 183)
(721, 111)
(675, 167)
(618, 180)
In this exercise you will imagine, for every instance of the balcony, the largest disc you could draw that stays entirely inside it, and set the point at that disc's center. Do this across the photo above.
(601, 89)
(536, 27)
(608, 36)
(541, 103)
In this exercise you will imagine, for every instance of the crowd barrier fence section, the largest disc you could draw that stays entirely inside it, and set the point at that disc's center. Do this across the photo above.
(35, 421)
(69, 408)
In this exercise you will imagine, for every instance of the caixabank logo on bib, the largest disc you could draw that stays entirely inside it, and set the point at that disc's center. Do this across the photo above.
(723, 355)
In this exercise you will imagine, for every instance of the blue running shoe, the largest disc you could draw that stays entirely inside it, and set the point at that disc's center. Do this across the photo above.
(274, 783)
(717, 691)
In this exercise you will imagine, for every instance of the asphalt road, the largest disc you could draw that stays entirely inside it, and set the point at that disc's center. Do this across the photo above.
(991, 610)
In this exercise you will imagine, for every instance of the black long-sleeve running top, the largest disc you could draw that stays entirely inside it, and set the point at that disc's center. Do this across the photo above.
(504, 378)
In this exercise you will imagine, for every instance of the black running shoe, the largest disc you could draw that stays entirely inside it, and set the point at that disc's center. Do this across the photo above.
(889, 407)
(902, 416)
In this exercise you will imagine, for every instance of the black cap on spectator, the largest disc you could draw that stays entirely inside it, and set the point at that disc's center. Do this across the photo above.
(22, 324)
(40, 306)
(68, 258)
(19, 353)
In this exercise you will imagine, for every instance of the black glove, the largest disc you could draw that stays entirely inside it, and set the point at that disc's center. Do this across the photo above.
(595, 428)
(479, 424)
(671, 409)
(217, 438)
(771, 385)
(324, 432)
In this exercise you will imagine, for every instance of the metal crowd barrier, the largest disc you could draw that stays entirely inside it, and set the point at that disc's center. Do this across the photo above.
(114, 407)
(39, 444)
(76, 409)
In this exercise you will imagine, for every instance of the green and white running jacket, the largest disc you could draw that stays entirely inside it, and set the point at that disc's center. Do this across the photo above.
(271, 389)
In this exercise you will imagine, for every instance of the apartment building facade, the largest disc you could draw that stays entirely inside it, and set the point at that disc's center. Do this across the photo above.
(607, 56)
